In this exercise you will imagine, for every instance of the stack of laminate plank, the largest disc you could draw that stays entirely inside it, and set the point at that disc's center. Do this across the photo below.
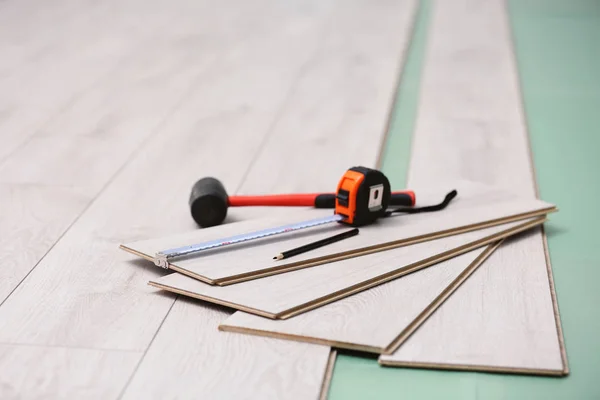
(370, 292)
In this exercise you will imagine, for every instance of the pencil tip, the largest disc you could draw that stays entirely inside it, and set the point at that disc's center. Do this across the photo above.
(278, 257)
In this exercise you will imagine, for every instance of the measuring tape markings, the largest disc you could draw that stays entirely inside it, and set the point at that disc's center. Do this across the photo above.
(162, 258)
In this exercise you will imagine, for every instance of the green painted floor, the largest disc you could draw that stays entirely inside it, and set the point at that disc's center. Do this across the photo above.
(558, 54)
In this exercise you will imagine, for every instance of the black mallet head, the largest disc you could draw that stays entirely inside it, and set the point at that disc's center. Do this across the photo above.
(208, 202)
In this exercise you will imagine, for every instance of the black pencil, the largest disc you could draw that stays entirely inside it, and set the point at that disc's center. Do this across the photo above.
(317, 244)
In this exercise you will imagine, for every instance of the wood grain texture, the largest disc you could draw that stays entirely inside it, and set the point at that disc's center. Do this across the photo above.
(504, 318)
(126, 107)
(59, 51)
(198, 361)
(87, 294)
(79, 151)
(279, 380)
(474, 206)
(285, 295)
(364, 320)
(63, 373)
(497, 320)
(32, 219)
(341, 106)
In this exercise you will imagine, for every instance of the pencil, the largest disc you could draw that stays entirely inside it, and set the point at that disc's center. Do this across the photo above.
(316, 245)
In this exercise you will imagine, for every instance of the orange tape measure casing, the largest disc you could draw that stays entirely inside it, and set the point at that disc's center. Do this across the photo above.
(362, 196)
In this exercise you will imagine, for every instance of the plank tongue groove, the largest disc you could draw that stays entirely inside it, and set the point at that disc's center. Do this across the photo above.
(504, 318)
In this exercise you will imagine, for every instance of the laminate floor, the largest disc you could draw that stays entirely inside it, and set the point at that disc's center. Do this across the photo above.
(108, 113)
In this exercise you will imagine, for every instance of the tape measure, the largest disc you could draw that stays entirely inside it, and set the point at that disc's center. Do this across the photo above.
(362, 196)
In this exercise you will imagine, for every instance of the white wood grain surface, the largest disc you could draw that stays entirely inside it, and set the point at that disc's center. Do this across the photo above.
(514, 320)
(87, 293)
(125, 108)
(55, 53)
(503, 318)
(191, 358)
(341, 105)
(36, 372)
(81, 149)
(32, 219)
(362, 321)
(176, 360)
(283, 295)
(474, 205)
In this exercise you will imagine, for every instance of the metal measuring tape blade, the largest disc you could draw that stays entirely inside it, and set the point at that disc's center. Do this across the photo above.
(163, 257)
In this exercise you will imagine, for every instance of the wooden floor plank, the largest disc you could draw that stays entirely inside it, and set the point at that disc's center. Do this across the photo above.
(101, 131)
(498, 319)
(199, 361)
(181, 372)
(85, 292)
(84, 147)
(363, 321)
(32, 219)
(63, 373)
(285, 295)
(61, 52)
(341, 106)
(503, 318)
(98, 300)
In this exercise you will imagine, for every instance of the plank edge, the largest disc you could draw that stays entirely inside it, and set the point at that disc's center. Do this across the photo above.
(442, 297)
(533, 172)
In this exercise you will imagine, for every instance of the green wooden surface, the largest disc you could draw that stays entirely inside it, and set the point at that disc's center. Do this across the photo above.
(558, 53)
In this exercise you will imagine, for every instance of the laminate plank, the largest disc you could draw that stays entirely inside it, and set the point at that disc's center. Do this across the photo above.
(67, 50)
(505, 318)
(32, 219)
(63, 373)
(170, 351)
(363, 321)
(24, 28)
(286, 295)
(86, 292)
(474, 206)
(497, 320)
(341, 106)
(77, 152)
(126, 108)
(199, 361)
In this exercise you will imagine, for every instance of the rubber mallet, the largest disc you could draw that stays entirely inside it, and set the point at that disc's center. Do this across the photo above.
(209, 201)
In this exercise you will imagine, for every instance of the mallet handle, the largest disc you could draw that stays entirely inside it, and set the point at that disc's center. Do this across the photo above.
(317, 200)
